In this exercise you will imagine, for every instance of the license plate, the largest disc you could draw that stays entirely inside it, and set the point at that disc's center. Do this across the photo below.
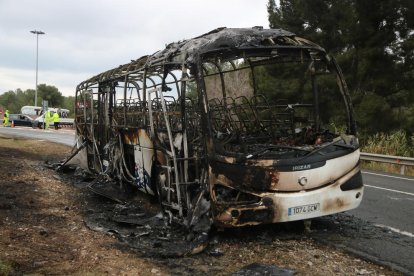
(304, 209)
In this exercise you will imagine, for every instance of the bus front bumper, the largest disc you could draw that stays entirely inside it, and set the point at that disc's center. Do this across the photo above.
(344, 194)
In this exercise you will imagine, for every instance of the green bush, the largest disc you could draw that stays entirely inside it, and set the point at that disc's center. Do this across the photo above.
(5, 268)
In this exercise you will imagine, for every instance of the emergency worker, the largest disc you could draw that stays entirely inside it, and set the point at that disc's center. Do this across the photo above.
(6, 118)
(56, 120)
(48, 118)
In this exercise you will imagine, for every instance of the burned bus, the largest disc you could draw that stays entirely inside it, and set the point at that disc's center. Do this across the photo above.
(244, 126)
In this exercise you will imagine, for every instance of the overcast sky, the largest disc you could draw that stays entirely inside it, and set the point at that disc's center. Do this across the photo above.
(86, 37)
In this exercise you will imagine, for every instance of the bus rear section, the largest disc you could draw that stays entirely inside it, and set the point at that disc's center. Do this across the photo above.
(236, 127)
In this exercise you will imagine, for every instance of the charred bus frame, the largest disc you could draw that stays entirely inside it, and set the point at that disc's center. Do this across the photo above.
(190, 125)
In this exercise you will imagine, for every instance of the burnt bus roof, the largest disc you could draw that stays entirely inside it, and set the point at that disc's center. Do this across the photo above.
(220, 39)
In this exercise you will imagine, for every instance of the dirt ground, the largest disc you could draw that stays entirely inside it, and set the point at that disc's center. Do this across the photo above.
(46, 229)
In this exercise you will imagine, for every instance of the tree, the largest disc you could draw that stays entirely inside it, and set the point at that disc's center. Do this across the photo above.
(25, 97)
(69, 103)
(49, 93)
(373, 42)
(15, 100)
(8, 101)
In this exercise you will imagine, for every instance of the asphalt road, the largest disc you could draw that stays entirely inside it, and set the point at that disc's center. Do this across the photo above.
(387, 220)
(380, 230)
(388, 201)
(61, 136)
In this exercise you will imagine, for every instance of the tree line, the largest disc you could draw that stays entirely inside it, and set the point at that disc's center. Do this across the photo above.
(14, 100)
(373, 42)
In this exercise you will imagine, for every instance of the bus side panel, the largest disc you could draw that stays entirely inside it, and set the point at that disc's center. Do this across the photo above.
(143, 158)
(143, 163)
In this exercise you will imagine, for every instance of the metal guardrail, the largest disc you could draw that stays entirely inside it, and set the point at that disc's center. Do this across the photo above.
(391, 159)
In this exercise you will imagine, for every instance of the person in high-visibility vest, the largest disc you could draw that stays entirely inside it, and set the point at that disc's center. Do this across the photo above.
(6, 118)
(47, 119)
(56, 120)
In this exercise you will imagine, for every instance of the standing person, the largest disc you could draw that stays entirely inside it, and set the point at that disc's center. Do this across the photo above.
(56, 120)
(6, 118)
(47, 119)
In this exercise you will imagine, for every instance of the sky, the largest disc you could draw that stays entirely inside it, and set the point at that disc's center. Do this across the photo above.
(86, 37)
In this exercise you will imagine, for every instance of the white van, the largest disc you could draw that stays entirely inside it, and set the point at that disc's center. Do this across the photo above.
(31, 110)
(39, 122)
(35, 111)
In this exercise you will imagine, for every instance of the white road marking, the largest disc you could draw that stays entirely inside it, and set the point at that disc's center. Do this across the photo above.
(397, 177)
(396, 230)
(400, 198)
(390, 190)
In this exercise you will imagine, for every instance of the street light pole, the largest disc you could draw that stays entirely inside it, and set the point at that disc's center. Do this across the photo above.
(37, 33)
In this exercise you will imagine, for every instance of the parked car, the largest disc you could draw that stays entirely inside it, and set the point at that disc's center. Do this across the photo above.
(20, 120)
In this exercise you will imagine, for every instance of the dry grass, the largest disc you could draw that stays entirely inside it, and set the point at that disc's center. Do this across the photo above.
(396, 143)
